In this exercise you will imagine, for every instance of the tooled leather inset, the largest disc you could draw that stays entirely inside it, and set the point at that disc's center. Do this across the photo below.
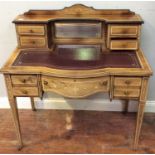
(71, 58)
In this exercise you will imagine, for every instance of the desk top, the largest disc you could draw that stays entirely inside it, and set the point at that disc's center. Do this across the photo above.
(47, 62)
(78, 57)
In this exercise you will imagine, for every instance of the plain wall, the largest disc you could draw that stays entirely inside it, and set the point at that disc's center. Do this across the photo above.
(9, 10)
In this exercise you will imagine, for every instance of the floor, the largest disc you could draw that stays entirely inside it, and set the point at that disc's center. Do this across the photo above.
(44, 131)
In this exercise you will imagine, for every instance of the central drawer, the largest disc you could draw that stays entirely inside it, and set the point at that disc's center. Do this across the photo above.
(74, 88)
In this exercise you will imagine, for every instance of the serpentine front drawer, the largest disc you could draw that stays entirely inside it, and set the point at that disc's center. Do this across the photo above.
(74, 88)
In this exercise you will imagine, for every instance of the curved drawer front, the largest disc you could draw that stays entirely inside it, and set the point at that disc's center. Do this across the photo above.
(75, 88)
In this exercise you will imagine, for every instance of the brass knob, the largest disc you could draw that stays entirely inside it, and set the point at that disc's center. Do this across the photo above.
(124, 45)
(127, 82)
(24, 91)
(125, 31)
(23, 80)
(45, 83)
(104, 83)
(126, 93)
(31, 31)
(33, 42)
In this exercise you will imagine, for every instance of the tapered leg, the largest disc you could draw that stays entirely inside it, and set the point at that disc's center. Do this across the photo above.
(32, 104)
(125, 106)
(13, 105)
(140, 115)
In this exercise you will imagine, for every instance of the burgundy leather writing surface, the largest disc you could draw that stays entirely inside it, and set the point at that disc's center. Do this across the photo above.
(87, 57)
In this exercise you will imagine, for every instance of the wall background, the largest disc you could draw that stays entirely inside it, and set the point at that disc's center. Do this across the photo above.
(9, 10)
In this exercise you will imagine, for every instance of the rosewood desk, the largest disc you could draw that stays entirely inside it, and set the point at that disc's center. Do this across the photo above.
(76, 52)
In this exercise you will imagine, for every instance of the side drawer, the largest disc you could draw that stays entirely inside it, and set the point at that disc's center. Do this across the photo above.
(24, 80)
(123, 44)
(25, 91)
(125, 93)
(27, 41)
(124, 30)
(127, 81)
(30, 30)
(75, 87)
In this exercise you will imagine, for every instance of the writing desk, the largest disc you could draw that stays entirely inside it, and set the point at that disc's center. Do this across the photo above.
(76, 52)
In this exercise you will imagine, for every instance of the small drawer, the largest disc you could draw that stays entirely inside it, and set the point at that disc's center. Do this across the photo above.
(124, 31)
(121, 81)
(126, 93)
(124, 44)
(26, 41)
(24, 80)
(25, 91)
(30, 30)
(75, 88)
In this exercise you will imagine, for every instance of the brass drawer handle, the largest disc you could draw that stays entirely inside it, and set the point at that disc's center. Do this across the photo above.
(45, 83)
(127, 82)
(126, 93)
(104, 83)
(33, 42)
(124, 45)
(25, 92)
(23, 80)
(124, 31)
(31, 31)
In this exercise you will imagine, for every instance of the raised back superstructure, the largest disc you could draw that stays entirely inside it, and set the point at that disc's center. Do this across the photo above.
(79, 24)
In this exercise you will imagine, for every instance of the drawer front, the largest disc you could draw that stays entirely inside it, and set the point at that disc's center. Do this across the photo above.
(124, 31)
(121, 81)
(30, 30)
(126, 93)
(24, 80)
(25, 91)
(32, 41)
(75, 88)
(123, 44)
